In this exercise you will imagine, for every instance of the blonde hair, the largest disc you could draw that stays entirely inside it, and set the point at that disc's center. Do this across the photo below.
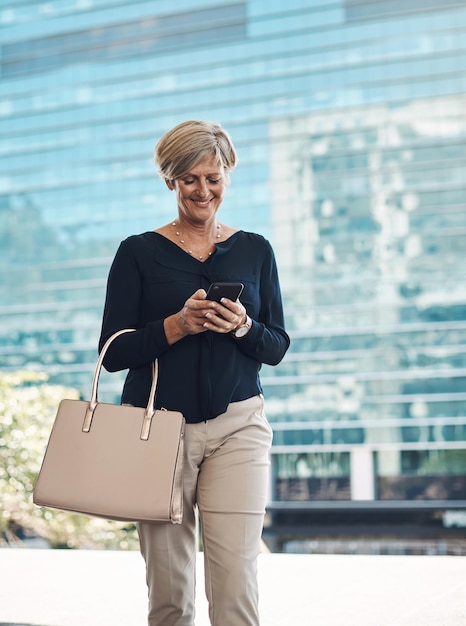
(190, 142)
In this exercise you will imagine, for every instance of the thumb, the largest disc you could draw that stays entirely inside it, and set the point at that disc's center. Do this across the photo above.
(200, 294)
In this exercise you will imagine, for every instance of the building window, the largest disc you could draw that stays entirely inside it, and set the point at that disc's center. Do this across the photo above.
(421, 475)
(311, 476)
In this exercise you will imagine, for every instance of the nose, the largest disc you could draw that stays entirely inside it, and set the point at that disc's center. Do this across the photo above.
(202, 188)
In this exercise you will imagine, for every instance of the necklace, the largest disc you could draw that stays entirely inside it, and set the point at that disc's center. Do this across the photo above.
(189, 250)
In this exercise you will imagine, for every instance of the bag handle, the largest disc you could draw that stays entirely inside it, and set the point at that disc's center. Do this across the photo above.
(93, 402)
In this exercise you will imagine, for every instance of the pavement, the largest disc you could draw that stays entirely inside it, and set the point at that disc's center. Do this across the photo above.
(107, 588)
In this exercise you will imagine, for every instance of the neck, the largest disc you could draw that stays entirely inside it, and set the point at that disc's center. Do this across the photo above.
(197, 242)
(198, 230)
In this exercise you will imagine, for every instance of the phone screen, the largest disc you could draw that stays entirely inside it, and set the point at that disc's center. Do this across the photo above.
(217, 291)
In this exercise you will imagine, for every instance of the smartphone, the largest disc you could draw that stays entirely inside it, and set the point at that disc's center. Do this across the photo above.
(217, 291)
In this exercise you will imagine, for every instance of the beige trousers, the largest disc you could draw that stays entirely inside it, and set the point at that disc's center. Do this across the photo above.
(225, 475)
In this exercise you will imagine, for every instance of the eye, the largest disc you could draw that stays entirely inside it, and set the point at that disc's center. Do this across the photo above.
(214, 181)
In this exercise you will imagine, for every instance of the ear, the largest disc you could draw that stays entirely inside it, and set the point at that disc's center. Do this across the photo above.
(169, 184)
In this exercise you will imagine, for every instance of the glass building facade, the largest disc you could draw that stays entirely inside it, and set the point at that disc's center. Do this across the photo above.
(350, 121)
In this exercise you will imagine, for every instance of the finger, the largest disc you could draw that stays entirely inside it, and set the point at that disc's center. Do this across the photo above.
(232, 311)
(216, 324)
(221, 324)
(235, 307)
(200, 294)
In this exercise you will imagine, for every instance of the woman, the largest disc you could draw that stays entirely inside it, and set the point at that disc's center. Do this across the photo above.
(209, 355)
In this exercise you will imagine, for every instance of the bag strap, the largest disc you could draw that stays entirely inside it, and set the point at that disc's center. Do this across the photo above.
(93, 402)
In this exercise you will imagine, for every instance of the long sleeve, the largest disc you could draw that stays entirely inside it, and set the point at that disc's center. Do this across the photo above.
(267, 341)
(150, 279)
(123, 310)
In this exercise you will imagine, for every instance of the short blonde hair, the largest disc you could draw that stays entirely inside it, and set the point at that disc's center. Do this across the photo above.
(190, 142)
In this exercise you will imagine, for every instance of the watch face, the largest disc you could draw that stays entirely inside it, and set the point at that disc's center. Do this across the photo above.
(244, 329)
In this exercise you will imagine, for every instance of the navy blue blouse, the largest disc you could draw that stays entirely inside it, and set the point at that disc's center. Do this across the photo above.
(151, 278)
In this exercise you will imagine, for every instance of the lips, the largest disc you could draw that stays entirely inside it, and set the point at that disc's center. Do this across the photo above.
(202, 203)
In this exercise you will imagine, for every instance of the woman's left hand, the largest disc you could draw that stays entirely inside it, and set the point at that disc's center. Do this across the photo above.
(225, 316)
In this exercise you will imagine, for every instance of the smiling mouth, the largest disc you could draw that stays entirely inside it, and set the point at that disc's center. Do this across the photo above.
(202, 202)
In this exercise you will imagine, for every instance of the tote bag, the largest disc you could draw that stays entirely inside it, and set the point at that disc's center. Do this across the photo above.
(117, 462)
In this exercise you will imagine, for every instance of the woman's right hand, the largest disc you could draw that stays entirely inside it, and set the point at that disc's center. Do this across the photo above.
(190, 320)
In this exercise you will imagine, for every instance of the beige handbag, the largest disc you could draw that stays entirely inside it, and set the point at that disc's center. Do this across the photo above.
(118, 462)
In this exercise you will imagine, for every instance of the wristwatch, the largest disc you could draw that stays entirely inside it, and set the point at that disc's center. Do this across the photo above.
(242, 330)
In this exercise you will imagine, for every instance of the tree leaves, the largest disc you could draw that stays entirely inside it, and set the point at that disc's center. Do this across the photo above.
(28, 405)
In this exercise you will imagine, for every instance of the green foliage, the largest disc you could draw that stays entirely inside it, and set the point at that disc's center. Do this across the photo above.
(27, 409)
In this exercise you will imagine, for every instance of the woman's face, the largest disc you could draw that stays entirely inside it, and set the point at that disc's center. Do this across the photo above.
(200, 192)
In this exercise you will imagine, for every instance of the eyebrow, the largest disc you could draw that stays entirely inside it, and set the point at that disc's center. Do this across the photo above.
(197, 176)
